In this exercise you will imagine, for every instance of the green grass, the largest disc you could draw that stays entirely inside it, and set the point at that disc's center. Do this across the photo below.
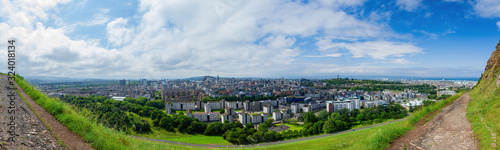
(485, 102)
(371, 138)
(97, 135)
(162, 134)
(185, 138)
(293, 126)
(101, 137)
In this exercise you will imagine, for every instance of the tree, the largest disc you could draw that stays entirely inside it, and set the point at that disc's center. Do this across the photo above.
(355, 112)
(222, 111)
(309, 117)
(323, 115)
(249, 125)
(318, 127)
(383, 115)
(214, 129)
(263, 127)
(329, 126)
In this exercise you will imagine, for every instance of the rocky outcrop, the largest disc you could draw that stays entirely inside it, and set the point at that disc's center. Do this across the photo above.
(493, 63)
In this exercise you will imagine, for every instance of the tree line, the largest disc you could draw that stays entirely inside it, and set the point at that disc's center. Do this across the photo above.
(117, 115)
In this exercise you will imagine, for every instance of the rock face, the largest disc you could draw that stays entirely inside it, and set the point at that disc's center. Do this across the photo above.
(493, 63)
(20, 128)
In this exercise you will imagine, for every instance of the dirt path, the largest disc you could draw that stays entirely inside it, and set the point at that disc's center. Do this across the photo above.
(71, 140)
(19, 126)
(449, 129)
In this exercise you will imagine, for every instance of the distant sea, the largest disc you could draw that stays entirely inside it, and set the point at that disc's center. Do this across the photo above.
(396, 78)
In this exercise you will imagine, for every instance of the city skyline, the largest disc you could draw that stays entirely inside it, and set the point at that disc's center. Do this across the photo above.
(271, 39)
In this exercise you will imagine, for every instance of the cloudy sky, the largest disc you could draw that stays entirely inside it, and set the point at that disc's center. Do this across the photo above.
(257, 38)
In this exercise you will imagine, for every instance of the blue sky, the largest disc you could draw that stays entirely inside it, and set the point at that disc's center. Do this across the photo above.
(237, 38)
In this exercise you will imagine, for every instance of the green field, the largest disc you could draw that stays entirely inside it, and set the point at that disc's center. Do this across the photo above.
(293, 126)
(185, 138)
(162, 134)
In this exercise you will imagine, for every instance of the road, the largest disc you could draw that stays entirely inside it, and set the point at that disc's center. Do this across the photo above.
(271, 143)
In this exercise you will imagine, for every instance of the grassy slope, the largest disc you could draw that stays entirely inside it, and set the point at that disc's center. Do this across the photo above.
(97, 135)
(158, 133)
(485, 101)
(104, 138)
(371, 138)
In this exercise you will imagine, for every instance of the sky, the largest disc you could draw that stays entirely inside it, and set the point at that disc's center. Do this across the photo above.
(159, 39)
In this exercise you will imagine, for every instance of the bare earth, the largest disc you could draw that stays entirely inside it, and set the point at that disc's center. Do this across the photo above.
(31, 131)
(449, 129)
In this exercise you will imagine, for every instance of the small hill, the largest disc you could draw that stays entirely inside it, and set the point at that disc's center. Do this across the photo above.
(484, 109)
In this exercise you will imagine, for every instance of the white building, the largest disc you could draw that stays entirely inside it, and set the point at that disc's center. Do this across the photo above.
(227, 117)
(277, 115)
(235, 104)
(295, 107)
(244, 118)
(207, 108)
(183, 105)
(268, 109)
(332, 106)
(168, 108)
(256, 119)
(217, 104)
(214, 116)
(230, 111)
(307, 108)
(202, 117)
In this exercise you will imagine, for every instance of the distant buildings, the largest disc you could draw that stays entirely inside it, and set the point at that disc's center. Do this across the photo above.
(440, 93)
(244, 117)
(204, 117)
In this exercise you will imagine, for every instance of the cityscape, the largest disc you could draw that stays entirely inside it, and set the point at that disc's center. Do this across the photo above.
(276, 98)
(250, 74)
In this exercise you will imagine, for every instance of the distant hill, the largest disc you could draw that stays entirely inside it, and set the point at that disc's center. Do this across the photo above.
(54, 79)
(485, 103)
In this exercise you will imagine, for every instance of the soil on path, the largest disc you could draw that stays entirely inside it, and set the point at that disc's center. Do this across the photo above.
(31, 127)
(449, 129)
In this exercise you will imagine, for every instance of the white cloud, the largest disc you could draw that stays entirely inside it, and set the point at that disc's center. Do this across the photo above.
(191, 38)
(327, 55)
(408, 5)
(118, 34)
(379, 49)
(432, 36)
(99, 18)
(26, 13)
(400, 61)
(487, 8)
(453, 1)
(498, 25)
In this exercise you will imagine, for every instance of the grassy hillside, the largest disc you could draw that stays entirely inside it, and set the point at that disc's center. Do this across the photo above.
(485, 103)
(97, 135)
(101, 137)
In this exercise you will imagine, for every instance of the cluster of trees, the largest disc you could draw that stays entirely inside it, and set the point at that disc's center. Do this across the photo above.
(111, 113)
(339, 82)
(249, 135)
(424, 104)
(423, 88)
(344, 119)
(434, 96)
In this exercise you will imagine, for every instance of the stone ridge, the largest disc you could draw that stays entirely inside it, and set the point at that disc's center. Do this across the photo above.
(494, 61)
